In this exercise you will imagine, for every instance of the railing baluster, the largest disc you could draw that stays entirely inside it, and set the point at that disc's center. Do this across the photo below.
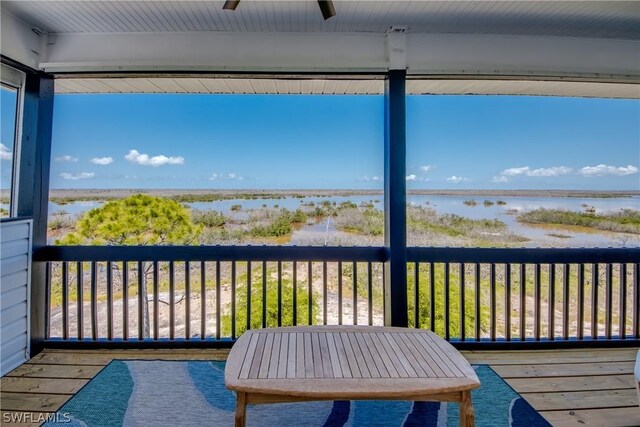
(432, 297)
(80, 309)
(636, 298)
(492, 303)
(523, 299)
(264, 294)
(551, 333)
(47, 304)
(279, 293)
(233, 299)
(370, 292)
(477, 302)
(355, 293)
(187, 300)
(580, 310)
(203, 300)
(608, 301)
(94, 301)
(65, 301)
(250, 295)
(141, 319)
(536, 297)
(447, 301)
(295, 294)
(462, 303)
(156, 302)
(109, 301)
(125, 301)
(566, 270)
(172, 301)
(218, 304)
(507, 302)
(416, 295)
(339, 292)
(310, 286)
(622, 326)
(595, 278)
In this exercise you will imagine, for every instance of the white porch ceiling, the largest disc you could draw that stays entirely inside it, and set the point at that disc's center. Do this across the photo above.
(601, 19)
(210, 85)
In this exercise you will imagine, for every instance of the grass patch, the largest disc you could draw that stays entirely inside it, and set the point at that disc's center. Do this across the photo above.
(623, 221)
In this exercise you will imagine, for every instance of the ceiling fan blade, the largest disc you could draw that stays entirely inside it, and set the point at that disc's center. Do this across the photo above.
(231, 4)
(327, 9)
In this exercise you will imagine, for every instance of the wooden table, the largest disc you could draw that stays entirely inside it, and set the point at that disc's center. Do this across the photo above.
(306, 363)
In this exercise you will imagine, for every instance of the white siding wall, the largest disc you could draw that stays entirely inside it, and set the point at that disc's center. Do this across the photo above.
(15, 272)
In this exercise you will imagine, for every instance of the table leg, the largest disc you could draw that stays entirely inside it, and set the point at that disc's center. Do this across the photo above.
(241, 409)
(467, 418)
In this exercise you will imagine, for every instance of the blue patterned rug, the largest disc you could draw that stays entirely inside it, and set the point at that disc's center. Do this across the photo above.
(164, 393)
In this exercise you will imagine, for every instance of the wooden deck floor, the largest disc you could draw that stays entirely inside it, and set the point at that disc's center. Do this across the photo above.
(569, 387)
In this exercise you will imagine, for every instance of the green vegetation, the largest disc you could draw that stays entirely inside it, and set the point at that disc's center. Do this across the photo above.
(426, 219)
(208, 218)
(470, 203)
(135, 220)
(501, 203)
(623, 221)
(302, 304)
(488, 203)
(367, 221)
(454, 303)
(236, 208)
(4, 212)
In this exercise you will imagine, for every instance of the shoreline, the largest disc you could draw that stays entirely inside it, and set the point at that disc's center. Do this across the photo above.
(104, 194)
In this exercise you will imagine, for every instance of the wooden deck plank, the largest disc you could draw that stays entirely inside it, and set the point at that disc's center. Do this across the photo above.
(32, 401)
(605, 417)
(55, 371)
(591, 399)
(564, 370)
(603, 382)
(551, 356)
(42, 385)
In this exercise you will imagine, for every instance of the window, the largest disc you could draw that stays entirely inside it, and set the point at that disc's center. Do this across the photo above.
(299, 165)
(523, 171)
(10, 106)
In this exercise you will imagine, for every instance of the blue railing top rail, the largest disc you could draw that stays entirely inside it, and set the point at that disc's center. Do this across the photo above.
(211, 253)
(337, 253)
(524, 255)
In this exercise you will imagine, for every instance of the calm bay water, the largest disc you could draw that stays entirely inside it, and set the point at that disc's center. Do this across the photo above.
(448, 204)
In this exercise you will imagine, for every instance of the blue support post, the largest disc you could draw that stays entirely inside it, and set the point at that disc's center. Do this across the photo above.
(395, 153)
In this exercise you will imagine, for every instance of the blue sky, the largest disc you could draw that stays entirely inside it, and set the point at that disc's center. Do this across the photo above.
(299, 142)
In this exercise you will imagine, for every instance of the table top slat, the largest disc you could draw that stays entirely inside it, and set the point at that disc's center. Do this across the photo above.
(333, 354)
(248, 357)
(291, 356)
(326, 358)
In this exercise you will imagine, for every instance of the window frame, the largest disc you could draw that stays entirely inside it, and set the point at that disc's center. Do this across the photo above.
(15, 79)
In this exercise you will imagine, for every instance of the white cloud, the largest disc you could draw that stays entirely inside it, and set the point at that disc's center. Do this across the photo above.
(376, 178)
(553, 171)
(456, 179)
(527, 171)
(426, 168)
(601, 170)
(412, 177)
(230, 177)
(367, 179)
(81, 175)
(5, 154)
(66, 158)
(135, 156)
(102, 160)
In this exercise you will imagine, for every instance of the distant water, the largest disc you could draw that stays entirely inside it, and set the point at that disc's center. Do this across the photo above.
(447, 204)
